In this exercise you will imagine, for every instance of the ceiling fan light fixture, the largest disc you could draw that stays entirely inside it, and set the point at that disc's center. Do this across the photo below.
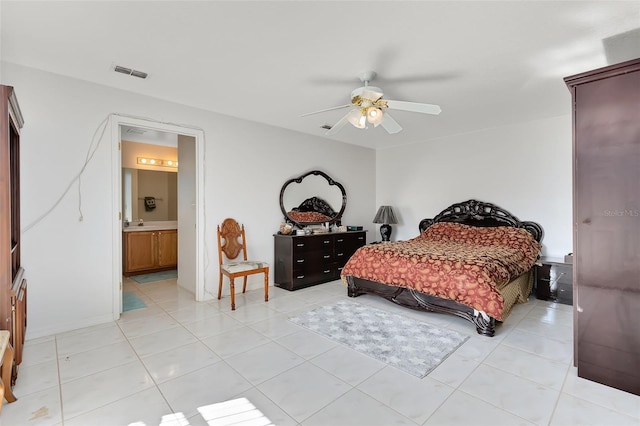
(374, 115)
(358, 118)
(368, 107)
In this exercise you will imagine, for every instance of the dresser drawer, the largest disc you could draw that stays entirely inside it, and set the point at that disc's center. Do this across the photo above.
(305, 277)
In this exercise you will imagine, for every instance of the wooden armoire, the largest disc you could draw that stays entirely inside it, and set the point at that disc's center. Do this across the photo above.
(13, 285)
(606, 218)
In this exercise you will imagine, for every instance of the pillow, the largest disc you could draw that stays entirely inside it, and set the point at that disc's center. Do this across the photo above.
(308, 217)
(505, 236)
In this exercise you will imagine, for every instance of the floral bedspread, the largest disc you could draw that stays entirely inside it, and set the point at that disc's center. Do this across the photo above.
(452, 261)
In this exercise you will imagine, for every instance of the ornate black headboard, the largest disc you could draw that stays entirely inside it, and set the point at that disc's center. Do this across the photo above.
(479, 213)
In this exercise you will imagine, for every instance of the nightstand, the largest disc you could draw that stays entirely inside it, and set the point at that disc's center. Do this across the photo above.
(554, 280)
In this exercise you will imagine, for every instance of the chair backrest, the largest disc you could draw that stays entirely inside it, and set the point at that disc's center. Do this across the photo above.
(234, 240)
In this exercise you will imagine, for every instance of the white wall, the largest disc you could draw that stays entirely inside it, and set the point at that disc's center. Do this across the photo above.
(68, 262)
(187, 214)
(524, 168)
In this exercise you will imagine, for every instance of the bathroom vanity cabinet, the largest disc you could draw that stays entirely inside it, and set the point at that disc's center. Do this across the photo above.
(149, 251)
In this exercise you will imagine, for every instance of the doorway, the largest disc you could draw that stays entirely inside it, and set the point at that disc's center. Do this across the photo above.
(190, 144)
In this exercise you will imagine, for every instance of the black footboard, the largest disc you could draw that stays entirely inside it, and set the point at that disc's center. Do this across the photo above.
(485, 325)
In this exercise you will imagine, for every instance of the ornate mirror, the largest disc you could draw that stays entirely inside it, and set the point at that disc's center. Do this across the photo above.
(312, 198)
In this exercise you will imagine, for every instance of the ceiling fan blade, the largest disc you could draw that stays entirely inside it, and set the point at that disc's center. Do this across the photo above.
(414, 107)
(325, 110)
(339, 125)
(389, 124)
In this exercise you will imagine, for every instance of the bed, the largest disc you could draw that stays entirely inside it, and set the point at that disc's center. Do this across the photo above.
(474, 260)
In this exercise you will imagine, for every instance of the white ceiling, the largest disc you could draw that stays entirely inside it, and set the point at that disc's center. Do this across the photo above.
(486, 64)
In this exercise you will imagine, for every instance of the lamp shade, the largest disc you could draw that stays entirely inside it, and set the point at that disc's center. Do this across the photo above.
(385, 215)
(374, 115)
(358, 118)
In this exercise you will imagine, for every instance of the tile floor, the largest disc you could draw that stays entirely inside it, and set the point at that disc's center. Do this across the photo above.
(160, 364)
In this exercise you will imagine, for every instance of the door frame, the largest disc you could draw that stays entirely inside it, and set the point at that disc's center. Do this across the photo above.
(115, 122)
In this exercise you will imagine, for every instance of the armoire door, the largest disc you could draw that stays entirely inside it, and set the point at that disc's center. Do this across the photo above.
(607, 226)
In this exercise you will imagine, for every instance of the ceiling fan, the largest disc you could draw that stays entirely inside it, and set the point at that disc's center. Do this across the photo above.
(369, 107)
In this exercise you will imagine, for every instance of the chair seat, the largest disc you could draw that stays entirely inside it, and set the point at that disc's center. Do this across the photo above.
(235, 267)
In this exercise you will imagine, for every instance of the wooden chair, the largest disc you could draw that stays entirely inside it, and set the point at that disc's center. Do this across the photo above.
(234, 244)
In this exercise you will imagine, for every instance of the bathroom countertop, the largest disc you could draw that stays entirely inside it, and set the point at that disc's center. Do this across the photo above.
(151, 226)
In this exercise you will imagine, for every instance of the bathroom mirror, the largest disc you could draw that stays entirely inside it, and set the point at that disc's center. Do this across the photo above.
(160, 186)
(312, 198)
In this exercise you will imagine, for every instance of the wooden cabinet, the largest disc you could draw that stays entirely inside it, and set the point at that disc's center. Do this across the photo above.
(149, 251)
(168, 248)
(606, 199)
(13, 285)
(306, 260)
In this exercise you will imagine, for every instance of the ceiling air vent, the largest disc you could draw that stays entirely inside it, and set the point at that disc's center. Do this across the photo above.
(129, 71)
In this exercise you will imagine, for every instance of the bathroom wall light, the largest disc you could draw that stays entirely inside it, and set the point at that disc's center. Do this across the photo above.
(157, 162)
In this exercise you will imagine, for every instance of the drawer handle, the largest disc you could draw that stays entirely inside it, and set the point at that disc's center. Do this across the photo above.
(300, 276)
(326, 256)
(340, 254)
(340, 240)
(300, 245)
(361, 238)
(327, 241)
(327, 271)
(300, 260)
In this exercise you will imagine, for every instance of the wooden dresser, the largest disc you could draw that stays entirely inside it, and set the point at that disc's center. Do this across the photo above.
(306, 260)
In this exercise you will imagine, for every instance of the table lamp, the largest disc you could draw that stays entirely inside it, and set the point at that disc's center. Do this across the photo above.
(386, 217)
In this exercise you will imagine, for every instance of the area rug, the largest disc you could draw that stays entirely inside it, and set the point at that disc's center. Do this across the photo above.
(131, 301)
(155, 276)
(412, 346)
